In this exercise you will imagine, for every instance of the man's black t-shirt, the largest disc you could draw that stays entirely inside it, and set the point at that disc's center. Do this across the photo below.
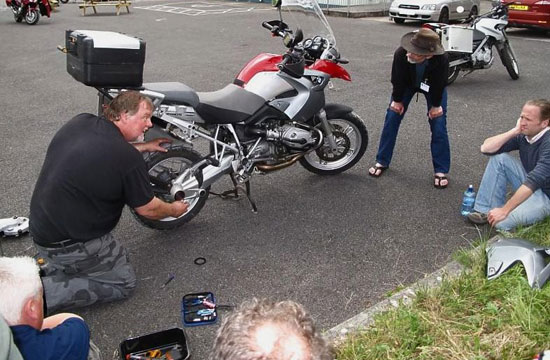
(89, 174)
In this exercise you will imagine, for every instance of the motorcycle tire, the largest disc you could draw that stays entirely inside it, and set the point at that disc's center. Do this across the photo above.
(64, 1)
(352, 139)
(163, 168)
(32, 16)
(453, 74)
(509, 61)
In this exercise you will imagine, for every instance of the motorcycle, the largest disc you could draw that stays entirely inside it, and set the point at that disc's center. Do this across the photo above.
(272, 116)
(30, 10)
(471, 47)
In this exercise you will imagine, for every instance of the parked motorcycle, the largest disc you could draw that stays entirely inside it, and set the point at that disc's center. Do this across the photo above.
(30, 10)
(470, 47)
(272, 116)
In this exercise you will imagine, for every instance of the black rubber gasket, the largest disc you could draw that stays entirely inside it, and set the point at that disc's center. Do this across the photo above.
(200, 261)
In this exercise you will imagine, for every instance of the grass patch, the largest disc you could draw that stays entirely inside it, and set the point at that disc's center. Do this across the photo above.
(467, 317)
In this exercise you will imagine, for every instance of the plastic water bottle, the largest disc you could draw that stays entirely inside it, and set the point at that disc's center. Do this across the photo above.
(468, 201)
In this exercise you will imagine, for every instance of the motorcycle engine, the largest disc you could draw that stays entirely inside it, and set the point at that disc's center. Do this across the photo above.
(484, 58)
(283, 139)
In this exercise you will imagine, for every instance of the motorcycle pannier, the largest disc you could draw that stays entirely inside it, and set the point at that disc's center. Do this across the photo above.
(457, 38)
(105, 58)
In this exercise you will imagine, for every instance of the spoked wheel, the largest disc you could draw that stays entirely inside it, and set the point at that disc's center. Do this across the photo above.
(32, 16)
(453, 74)
(351, 137)
(509, 61)
(164, 168)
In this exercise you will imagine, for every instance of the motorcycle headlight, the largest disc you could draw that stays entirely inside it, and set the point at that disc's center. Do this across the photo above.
(428, 7)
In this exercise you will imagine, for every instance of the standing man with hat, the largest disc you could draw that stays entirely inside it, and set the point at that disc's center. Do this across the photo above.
(419, 65)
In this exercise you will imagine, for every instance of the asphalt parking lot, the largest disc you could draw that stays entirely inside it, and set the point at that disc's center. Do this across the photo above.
(336, 244)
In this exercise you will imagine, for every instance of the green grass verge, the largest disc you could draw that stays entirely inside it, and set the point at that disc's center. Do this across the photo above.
(467, 317)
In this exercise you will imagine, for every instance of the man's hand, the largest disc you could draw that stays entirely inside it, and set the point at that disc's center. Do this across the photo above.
(397, 107)
(153, 145)
(157, 209)
(435, 111)
(496, 215)
(179, 208)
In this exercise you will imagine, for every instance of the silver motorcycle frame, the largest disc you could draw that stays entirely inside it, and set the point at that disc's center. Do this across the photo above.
(183, 123)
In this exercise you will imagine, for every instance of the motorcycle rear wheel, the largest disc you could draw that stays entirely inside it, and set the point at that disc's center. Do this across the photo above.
(509, 61)
(163, 169)
(453, 74)
(351, 137)
(32, 16)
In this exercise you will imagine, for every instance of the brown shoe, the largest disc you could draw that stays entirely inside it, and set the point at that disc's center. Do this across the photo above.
(477, 218)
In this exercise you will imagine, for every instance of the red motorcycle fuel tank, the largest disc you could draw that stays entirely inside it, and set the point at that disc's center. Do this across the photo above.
(268, 62)
(261, 62)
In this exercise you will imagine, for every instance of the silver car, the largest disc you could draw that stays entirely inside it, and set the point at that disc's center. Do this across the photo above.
(432, 10)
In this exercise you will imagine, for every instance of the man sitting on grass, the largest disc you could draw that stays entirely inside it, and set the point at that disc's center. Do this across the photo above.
(529, 179)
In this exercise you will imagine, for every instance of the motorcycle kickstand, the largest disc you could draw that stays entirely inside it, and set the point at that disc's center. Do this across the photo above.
(247, 193)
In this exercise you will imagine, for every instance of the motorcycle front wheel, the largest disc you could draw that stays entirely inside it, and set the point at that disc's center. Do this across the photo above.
(453, 74)
(163, 169)
(32, 16)
(351, 137)
(509, 61)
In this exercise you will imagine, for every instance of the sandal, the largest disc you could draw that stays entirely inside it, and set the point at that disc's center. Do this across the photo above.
(438, 179)
(377, 168)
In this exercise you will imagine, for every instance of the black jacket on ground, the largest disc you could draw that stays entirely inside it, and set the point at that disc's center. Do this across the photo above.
(403, 76)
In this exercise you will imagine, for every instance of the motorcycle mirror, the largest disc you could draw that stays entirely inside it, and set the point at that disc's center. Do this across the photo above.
(276, 3)
(460, 9)
(299, 36)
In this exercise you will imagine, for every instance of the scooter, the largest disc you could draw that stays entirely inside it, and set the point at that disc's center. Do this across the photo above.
(272, 116)
(30, 10)
(470, 47)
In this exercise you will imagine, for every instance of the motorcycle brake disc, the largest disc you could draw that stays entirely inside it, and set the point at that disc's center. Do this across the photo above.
(342, 140)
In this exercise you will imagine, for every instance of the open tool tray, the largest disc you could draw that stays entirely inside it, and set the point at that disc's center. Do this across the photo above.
(198, 309)
(163, 341)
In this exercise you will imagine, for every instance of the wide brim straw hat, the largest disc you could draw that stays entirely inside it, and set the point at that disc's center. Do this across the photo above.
(422, 42)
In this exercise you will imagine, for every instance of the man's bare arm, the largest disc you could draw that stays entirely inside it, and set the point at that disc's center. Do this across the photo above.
(494, 143)
(157, 209)
(498, 214)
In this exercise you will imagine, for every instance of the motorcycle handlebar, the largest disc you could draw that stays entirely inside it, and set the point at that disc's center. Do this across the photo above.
(267, 26)
(286, 58)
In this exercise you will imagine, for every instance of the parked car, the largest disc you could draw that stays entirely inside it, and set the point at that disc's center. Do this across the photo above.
(432, 10)
(529, 14)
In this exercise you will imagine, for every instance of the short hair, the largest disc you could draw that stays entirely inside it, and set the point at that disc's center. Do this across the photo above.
(266, 330)
(125, 102)
(19, 281)
(543, 105)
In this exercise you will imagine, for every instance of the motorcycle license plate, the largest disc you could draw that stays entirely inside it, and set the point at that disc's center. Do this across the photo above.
(519, 7)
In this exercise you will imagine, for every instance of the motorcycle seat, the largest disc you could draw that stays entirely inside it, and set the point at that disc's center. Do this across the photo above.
(232, 104)
(175, 93)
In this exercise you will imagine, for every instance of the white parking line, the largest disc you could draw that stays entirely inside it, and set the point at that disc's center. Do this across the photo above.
(200, 8)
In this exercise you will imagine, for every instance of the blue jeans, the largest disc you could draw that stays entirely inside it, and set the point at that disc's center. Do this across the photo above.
(501, 171)
(441, 153)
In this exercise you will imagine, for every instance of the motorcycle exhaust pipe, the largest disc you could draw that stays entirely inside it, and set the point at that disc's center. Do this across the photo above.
(268, 168)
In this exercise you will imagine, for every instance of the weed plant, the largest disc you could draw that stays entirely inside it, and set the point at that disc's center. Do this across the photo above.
(467, 317)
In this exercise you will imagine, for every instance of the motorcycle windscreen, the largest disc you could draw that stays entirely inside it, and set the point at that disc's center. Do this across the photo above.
(308, 16)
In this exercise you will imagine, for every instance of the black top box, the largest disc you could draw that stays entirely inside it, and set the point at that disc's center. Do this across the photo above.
(105, 58)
